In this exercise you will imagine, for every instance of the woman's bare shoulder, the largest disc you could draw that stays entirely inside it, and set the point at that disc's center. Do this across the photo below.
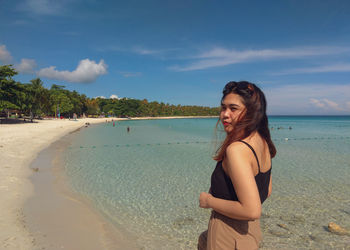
(237, 145)
(237, 151)
(238, 160)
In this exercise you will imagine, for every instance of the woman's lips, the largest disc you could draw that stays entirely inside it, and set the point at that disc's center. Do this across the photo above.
(226, 123)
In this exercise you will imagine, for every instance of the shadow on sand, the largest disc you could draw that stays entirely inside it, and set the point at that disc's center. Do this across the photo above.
(16, 120)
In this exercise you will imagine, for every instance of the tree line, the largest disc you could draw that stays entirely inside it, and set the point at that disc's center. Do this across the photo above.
(34, 100)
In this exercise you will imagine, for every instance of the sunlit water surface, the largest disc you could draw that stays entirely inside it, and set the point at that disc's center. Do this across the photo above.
(147, 182)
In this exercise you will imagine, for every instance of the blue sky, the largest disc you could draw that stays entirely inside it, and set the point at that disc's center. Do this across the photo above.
(183, 52)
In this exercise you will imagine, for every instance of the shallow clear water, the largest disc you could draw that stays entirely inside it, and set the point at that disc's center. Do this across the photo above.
(148, 181)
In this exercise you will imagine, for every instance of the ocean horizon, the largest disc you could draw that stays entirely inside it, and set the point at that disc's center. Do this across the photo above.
(147, 181)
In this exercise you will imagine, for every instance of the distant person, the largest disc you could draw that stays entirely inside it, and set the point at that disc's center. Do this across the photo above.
(241, 180)
(128, 129)
(113, 124)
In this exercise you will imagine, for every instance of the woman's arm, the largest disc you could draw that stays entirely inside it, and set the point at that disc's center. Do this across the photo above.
(238, 164)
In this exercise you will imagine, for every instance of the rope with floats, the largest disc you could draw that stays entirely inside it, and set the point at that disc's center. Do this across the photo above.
(207, 142)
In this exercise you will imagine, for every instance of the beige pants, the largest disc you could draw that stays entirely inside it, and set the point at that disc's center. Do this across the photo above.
(226, 233)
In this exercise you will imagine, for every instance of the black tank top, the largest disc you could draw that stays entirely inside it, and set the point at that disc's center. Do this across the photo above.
(222, 187)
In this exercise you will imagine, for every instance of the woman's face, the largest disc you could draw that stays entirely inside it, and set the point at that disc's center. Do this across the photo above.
(231, 108)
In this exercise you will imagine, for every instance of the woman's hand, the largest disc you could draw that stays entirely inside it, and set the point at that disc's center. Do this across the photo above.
(204, 200)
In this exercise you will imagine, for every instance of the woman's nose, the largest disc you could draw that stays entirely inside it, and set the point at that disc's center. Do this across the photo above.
(226, 112)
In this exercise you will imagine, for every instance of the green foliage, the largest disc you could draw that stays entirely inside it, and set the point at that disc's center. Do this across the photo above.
(33, 98)
(10, 91)
(92, 107)
(62, 102)
(132, 107)
(7, 72)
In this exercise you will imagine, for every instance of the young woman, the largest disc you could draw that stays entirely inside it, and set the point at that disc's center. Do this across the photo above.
(241, 180)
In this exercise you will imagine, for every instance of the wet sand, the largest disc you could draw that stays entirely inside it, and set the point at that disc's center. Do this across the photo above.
(20, 145)
(60, 219)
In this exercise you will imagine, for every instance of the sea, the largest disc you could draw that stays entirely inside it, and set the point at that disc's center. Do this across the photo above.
(147, 181)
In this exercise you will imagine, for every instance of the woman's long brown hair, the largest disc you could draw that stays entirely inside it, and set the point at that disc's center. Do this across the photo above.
(253, 119)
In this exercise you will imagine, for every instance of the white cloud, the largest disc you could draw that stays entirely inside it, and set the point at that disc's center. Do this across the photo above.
(5, 56)
(333, 105)
(114, 97)
(135, 49)
(162, 53)
(101, 96)
(130, 74)
(158, 52)
(348, 106)
(317, 103)
(344, 67)
(26, 66)
(326, 104)
(86, 72)
(311, 98)
(221, 57)
(42, 7)
(145, 51)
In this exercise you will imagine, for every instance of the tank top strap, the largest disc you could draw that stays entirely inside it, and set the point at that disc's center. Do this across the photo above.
(256, 157)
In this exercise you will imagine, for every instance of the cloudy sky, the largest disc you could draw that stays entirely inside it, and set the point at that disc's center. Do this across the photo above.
(183, 51)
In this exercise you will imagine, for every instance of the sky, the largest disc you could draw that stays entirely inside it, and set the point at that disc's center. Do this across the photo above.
(183, 51)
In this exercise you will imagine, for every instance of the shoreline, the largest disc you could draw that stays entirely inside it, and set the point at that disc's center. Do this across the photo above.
(20, 145)
(60, 218)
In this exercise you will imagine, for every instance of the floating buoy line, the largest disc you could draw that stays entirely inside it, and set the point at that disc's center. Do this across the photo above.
(206, 142)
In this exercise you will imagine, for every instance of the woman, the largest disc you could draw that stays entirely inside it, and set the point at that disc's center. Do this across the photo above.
(241, 180)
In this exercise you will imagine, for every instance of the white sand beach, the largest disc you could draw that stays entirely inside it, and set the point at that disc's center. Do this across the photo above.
(19, 146)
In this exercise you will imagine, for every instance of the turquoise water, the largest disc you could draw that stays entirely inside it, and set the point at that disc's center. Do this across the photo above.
(148, 181)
